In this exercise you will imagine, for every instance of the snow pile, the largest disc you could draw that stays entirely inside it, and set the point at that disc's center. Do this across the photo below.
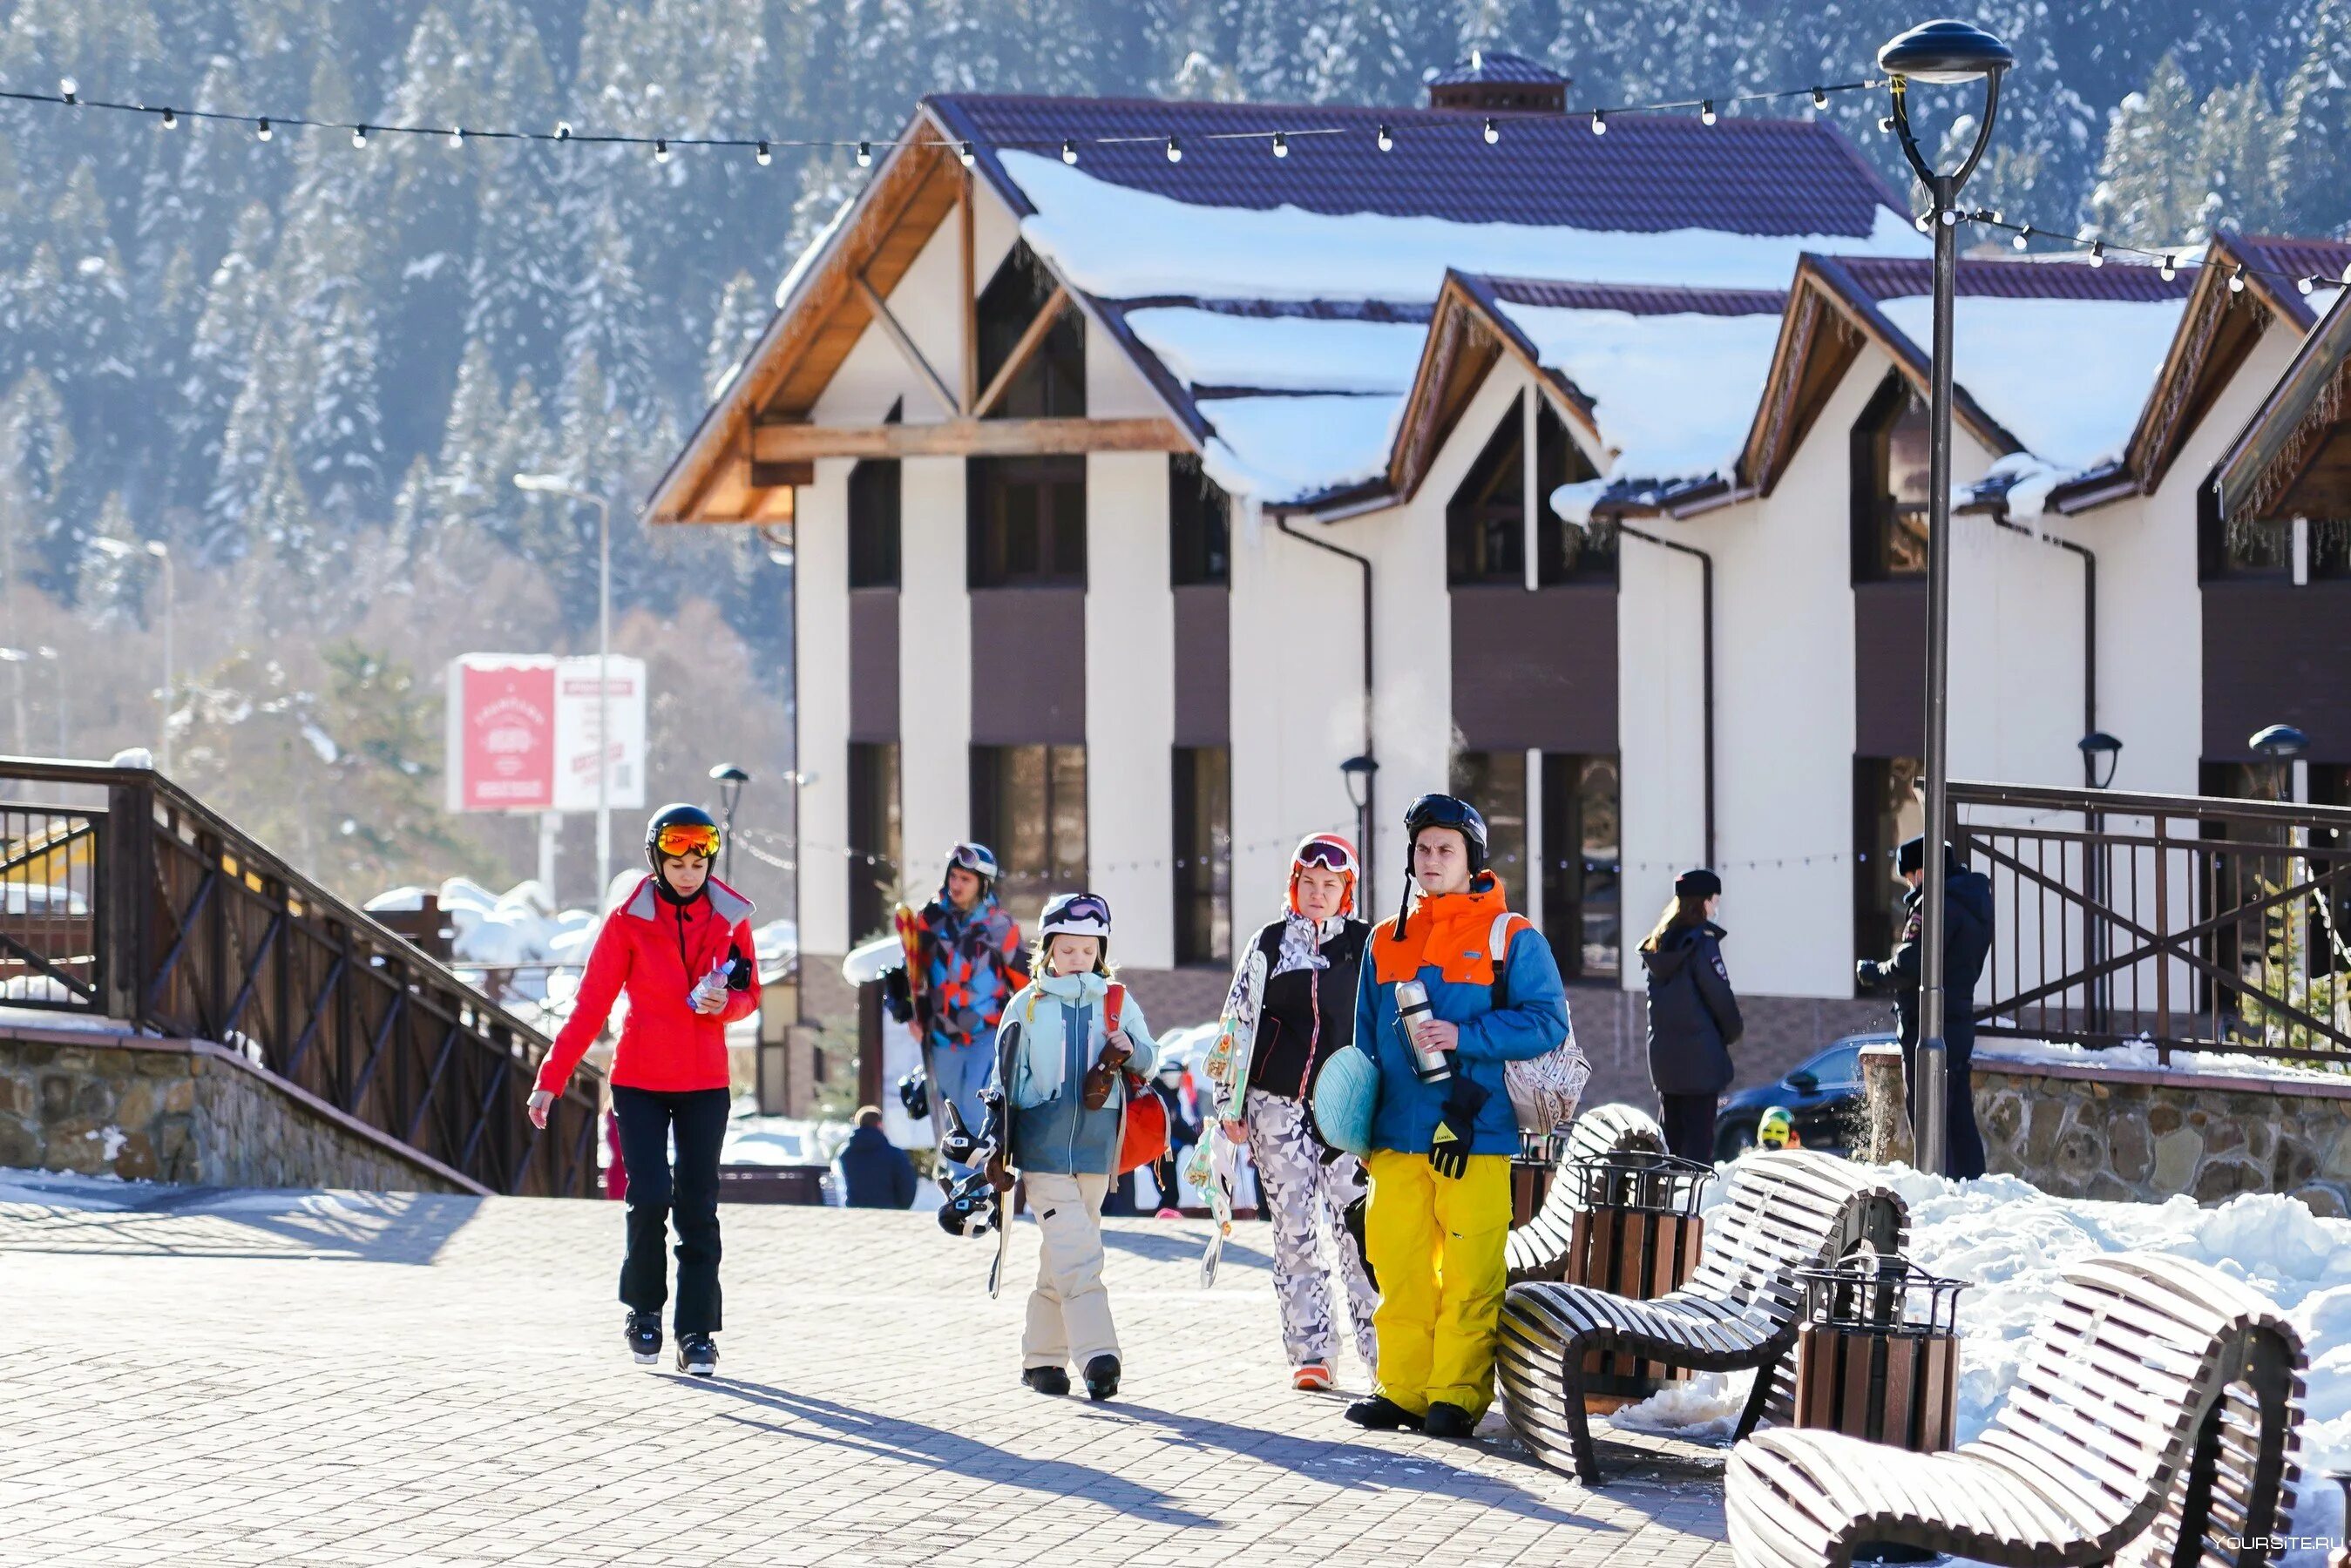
(2012, 1242)
(1288, 448)
(2140, 1055)
(1122, 244)
(1282, 353)
(2111, 351)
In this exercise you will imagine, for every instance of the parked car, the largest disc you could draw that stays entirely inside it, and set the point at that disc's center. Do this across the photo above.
(1822, 1094)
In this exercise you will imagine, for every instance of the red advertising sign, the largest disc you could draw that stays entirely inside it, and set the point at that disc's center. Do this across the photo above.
(503, 735)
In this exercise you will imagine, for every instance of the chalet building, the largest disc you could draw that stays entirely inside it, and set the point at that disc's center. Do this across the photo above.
(1136, 486)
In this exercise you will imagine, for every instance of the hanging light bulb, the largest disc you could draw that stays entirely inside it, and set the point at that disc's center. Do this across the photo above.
(1386, 140)
(562, 131)
(359, 136)
(2346, 276)
(1820, 97)
(171, 118)
(1706, 115)
(2237, 280)
(1884, 125)
(1174, 150)
(2170, 269)
(1923, 223)
(2023, 237)
(1070, 152)
(763, 156)
(1280, 145)
(457, 136)
(963, 152)
(261, 131)
(2097, 253)
(1599, 122)
(2305, 284)
(1494, 131)
(1950, 216)
(69, 90)
(660, 149)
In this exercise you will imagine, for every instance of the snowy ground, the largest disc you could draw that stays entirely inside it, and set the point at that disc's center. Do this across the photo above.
(2140, 1056)
(2010, 1241)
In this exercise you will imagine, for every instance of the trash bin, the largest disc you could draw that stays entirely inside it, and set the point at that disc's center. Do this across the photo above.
(1533, 1170)
(1877, 1357)
(1636, 1235)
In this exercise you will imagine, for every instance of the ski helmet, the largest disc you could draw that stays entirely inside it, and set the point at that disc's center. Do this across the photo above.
(975, 858)
(1775, 1129)
(680, 829)
(1327, 852)
(914, 1094)
(1076, 915)
(1438, 810)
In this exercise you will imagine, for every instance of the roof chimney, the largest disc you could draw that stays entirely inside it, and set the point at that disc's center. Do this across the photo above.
(1492, 80)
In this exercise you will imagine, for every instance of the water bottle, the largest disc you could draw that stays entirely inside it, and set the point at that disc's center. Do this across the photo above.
(1412, 1006)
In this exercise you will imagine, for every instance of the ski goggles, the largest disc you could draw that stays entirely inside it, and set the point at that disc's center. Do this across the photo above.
(975, 858)
(686, 839)
(1442, 811)
(1329, 854)
(1077, 914)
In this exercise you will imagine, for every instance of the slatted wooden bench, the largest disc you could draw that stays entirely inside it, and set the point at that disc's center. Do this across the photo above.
(2159, 1408)
(1785, 1211)
(1538, 1250)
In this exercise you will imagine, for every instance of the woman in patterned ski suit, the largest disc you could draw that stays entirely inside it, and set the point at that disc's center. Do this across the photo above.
(1293, 1004)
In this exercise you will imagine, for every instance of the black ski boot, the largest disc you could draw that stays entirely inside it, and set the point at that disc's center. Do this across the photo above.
(1047, 1379)
(645, 1337)
(1101, 1377)
(1447, 1420)
(1381, 1414)
(696, 1356)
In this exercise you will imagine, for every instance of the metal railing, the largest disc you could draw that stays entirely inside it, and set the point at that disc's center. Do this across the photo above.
(122, 895)
(2189, 922)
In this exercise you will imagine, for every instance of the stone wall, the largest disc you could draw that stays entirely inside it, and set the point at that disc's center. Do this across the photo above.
(145, 1109)
(2084, 1132)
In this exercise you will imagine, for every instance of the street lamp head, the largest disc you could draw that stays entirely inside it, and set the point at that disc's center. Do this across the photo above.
(2279, 742)
(2101, 750)
(1358, 772)
(1945, 52)
(728, 773)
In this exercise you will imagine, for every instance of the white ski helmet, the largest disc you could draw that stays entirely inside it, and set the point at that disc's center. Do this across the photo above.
(1076, 915)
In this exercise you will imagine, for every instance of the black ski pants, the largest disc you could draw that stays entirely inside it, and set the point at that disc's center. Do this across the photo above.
(1689, 1124)
(648, 1119)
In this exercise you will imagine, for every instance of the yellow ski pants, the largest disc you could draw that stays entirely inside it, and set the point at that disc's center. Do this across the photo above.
(1436, 1245)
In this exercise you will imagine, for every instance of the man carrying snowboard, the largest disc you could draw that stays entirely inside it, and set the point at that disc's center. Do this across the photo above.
(965, 964)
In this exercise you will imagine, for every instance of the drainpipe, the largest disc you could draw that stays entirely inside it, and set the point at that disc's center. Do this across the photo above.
(1371, 781)
(1706, 616)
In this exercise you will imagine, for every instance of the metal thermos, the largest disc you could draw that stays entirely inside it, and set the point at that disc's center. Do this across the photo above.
(1412, 1006)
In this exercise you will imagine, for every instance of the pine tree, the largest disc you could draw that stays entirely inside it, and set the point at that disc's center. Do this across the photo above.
(37, 450)
(2236, 157)
(744, 308)
(2312, 170)
(110, 586)
(2150, 190)
(338, 438)
(219, 358)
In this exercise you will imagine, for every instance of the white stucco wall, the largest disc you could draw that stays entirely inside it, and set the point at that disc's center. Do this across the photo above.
(1131, 701)
(933, 664)
(821, 577)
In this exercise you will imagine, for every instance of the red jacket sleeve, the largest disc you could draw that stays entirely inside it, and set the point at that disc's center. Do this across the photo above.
(608, 971)
(744, 1002)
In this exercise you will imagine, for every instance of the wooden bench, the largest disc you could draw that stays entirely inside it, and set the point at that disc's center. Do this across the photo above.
(1538, 1250)
(1785, 1211)
(2153, 1426)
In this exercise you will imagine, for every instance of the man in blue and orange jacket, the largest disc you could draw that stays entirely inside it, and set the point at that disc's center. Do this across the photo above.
(1440, 1160)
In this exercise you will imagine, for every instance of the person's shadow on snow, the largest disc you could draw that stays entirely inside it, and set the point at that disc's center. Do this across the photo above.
(889, 1436)
(1361, 1464)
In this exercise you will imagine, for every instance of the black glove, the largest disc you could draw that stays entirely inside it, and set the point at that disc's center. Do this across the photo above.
(1448, 1150)
(1864, 974)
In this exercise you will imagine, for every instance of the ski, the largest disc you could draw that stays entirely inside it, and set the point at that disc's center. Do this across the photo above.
(1212, 1166)
(1007, 1040)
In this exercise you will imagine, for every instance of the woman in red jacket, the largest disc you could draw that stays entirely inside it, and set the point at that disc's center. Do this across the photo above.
(680, 947)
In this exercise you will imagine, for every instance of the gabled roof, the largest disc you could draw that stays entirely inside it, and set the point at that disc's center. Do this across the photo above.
(2053, 354)
(2294, 457)
(1495, 65)
(2220, 327)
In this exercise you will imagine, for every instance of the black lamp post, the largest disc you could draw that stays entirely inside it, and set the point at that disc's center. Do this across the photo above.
(1943, 52)
(2099, 750)
(2101, 754)
(1358, 772)
(730, 780)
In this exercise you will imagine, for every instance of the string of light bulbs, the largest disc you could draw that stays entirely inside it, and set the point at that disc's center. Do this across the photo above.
(2170, 262)
(1278, 139)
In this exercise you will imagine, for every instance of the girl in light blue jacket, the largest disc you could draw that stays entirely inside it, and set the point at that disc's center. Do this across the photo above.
(1059, 1068)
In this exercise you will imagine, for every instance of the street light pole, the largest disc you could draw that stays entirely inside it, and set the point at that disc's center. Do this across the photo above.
(1944, 52)
(730, 780)
(552, 485)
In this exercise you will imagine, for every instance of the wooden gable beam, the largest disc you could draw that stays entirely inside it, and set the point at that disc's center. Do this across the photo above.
(1031, 338)
(790, 442)
(968, 293)
(879, 308)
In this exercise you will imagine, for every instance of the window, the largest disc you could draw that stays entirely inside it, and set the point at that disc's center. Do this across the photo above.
(1496, 783)
(1028, 805)
(1199, 526)
(1887, 812)
(873, 524)
(2330, 547)
(1027, 522)
(874, 842)
(1203, 855)
(1052, 384)
(1582, 869)
(1891, 453)
(1565, 553)
(1485, 523)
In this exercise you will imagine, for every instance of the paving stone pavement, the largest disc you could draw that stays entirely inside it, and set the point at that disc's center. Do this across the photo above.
(234, 1377)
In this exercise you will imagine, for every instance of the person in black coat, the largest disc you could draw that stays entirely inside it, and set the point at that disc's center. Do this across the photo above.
(876, 1172)
(1693, 1015)
(1967, 943)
